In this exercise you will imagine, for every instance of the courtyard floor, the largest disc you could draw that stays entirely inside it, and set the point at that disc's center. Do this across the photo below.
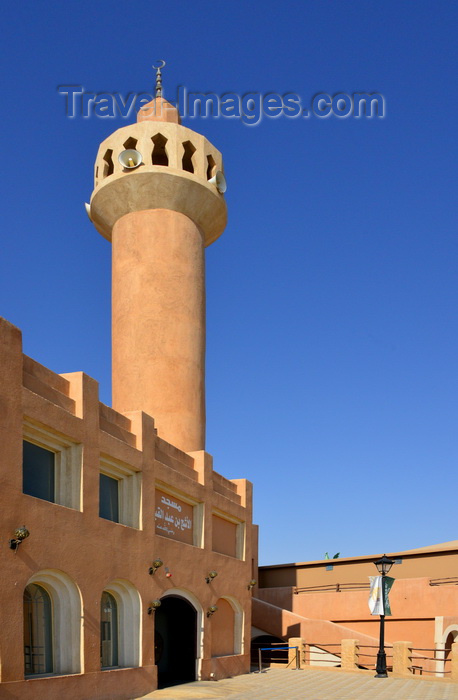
(308, 684)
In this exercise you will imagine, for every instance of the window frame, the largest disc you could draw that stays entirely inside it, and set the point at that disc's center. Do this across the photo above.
(68, 456)
(129, 491)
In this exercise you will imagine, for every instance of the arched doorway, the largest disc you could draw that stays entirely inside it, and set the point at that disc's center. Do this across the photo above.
(451, 638)
(175, 641)
(268, 657)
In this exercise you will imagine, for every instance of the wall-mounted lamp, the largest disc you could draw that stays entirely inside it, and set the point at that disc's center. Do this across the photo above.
(252, 584)
(153, 606)
(21, 533)
(211, 610)
(211, 576)
(155, 566)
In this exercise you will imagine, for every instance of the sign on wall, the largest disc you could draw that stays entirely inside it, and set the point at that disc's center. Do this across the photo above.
(173, 517)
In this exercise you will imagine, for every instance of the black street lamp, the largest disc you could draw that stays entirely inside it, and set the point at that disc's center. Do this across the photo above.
(383, 566)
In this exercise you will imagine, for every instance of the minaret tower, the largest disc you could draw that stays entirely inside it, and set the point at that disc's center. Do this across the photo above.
(158, 199)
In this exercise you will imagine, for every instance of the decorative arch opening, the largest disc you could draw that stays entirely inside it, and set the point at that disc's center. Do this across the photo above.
(108, 167)
(188, 152)
(178, 638)
(130, 143)
(227, 628)
(63, 621)
(124, 646)
(450, 637)
(211, 167)
(159, 156)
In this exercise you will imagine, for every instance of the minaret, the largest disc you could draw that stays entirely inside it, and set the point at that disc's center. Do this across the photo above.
(156, 199)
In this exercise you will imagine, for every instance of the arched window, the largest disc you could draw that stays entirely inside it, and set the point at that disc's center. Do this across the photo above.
(52, 624)
(189, 151)
(159, 152)
(108, 631)
(120, 620)
(38, 642)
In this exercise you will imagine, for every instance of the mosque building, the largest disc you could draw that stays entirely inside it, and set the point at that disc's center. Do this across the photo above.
(128, 563)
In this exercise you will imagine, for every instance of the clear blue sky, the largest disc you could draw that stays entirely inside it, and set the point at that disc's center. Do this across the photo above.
(332, 295)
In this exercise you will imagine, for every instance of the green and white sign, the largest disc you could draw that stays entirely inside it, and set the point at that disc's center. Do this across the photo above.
(379, 603)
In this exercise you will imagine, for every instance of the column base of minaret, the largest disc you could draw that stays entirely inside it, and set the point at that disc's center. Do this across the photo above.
(159, 323)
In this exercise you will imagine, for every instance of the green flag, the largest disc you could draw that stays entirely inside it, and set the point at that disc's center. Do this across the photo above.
(388, 582)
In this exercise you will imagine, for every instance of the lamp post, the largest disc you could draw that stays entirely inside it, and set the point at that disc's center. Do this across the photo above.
(383, 566)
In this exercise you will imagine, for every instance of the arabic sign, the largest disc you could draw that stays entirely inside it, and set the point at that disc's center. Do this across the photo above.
(173, 517)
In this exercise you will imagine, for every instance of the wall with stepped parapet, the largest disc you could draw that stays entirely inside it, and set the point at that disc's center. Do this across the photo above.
(73, 550)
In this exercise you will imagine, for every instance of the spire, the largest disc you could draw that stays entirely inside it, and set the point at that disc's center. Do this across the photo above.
(160, 65)
(159, 110)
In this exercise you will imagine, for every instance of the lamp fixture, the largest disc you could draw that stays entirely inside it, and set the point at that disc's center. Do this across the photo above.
(211, 576)
(384, 565)
(252, 584)
(211, 610)
(155, 566)
(154, 605)
(21, 533)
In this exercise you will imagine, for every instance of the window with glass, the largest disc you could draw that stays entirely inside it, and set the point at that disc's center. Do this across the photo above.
(38, 653)
(109, 631)
(38, 472)
(109, 498)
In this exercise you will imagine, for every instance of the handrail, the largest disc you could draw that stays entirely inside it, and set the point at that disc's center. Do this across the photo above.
(436, 656)
(332, 588)
(372, 646)
(451, 581)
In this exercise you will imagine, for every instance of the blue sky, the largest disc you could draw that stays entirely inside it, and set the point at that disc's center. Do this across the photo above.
(332, 294)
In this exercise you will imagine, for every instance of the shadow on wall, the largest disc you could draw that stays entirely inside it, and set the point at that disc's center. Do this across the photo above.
(294, 630)
(271, 656)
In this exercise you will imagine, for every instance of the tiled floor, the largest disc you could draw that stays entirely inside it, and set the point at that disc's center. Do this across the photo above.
(311, 684)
